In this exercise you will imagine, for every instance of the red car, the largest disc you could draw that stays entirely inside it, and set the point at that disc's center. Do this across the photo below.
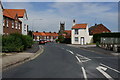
(42, 42)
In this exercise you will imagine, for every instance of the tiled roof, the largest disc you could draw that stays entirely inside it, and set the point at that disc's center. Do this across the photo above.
(45, 34)
(12, 13)
(79, 26)
(68, 33)
(100, 28)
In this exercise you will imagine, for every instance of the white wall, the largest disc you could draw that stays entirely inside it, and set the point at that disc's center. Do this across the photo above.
(1, 20)
(81, 33)
(24, 24)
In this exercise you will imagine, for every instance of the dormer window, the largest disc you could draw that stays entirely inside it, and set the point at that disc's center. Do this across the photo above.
(76, 31)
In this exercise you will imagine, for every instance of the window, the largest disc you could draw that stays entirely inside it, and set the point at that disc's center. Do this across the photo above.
(24, 27)
(16, 25)
(76, 39)
(3, 22)
(12, 24)
(19, 25)
(7, 22)
(76, 31)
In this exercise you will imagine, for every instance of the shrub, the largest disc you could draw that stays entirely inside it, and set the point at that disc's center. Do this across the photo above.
(16, 42)
(97, 37)
(27, 41)
(61, 39)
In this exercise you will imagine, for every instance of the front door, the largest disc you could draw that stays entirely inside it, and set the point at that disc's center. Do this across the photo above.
(82, 41)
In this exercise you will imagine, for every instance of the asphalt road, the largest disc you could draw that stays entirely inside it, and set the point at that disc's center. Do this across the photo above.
(61, 61)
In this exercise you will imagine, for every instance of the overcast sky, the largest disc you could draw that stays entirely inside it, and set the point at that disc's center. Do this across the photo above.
(46, 16)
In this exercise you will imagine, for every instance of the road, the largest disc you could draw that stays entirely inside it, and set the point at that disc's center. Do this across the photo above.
(61, 61)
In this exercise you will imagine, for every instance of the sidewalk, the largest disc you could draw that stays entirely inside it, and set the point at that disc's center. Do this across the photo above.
(12, 59)
(93, 48)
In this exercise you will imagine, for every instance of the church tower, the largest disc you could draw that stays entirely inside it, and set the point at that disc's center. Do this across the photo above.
(62, 28)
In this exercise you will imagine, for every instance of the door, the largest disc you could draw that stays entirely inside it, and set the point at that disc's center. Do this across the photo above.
(82, 41)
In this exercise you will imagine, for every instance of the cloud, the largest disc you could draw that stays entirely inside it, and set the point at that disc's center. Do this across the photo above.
(88, 12)
(60, 0)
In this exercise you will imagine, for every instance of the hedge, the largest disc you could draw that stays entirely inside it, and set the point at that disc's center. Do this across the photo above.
(16, 42)
(97, 37)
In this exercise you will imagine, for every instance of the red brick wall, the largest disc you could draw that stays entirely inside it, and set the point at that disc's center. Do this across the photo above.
(9, 29)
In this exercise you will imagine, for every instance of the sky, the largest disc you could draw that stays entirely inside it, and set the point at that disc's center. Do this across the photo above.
(46, 16)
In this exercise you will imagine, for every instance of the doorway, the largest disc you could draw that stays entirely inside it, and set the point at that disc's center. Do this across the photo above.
(82, 41)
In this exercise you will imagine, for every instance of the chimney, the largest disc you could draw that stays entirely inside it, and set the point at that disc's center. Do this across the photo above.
(74, 22)
(95, 24)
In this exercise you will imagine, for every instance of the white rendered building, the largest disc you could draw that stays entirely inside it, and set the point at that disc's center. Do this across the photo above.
(80, 34)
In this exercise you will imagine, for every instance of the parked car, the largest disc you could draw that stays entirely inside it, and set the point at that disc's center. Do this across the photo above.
(42, 42)
(48, 41)
(45, 41)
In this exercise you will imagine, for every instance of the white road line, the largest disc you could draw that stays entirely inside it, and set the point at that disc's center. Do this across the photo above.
(78, 59)
(71, 52)
(101, 69)
(110, 68)
(84, 73)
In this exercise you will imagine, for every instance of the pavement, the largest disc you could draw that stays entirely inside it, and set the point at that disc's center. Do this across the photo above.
(62, 61)
(93, 48)
(14, 59)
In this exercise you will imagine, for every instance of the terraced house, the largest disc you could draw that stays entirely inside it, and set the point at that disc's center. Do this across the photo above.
(15, 20)
(48, 36)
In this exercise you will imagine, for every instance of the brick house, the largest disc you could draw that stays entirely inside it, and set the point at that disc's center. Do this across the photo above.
(21, 15)
(48, 36)
(98, 28)
(11, 23)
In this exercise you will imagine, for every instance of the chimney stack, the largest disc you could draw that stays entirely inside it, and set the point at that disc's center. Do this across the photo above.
(74, 22)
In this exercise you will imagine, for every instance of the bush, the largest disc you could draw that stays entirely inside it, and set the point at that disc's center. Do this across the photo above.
(61, 39)
(97, 37)
(16, 42)
(27, 41)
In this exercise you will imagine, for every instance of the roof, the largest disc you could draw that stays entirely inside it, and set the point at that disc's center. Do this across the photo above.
(79, 26)
(100, 28)
(45, 34)
(68, 33)
(12, 12)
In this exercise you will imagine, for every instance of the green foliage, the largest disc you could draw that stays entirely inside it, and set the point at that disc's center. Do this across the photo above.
(16, 42)
(97, 37)
(61, 39)
(27, 41)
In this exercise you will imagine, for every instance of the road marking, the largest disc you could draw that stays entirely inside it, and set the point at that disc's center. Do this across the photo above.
(84, 73)
(83, 58)
(110, 68)
(102, 70)
(78, 59)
